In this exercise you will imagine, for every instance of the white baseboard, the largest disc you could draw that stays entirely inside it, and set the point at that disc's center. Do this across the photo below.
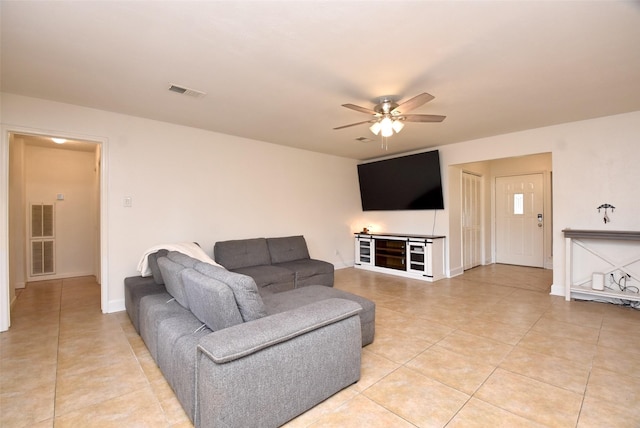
(557, 290)
(20, 285)
(115, 306)
(59, 276)
(456, 272)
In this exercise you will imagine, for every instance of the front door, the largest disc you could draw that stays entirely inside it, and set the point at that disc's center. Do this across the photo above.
(519, 220)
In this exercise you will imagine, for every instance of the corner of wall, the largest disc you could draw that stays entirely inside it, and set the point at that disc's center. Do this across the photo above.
(115, 306)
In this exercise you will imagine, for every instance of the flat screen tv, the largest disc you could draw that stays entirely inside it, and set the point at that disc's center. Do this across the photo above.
(405, 183)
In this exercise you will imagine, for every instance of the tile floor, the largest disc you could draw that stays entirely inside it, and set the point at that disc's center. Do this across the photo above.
(486, 349)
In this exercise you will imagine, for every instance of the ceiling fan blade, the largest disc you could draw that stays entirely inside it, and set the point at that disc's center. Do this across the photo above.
(354, 124)
(423, 117)
(360, 109)
(413, 103)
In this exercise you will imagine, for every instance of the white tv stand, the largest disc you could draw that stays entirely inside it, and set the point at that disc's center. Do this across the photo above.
(413, 256)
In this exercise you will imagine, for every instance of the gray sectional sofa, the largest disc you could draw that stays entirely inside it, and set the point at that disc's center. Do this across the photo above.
(275, 264)
(235, 358)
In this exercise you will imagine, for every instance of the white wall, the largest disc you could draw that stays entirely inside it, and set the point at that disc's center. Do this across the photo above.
(594, 162)
(190, 184)
(193, 185)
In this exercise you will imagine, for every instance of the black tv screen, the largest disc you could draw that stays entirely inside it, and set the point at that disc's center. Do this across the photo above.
(406, 183)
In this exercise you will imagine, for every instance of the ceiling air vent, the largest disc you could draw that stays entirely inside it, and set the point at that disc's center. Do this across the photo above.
(186, 91)
(363, 139)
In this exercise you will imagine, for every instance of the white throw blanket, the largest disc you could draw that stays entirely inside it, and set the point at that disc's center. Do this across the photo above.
(188, 248)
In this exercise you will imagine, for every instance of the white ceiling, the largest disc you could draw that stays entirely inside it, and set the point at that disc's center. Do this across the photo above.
(278, 71)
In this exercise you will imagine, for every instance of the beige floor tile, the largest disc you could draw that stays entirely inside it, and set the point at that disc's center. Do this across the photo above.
(360, 412)
(616, 360)
(417, 398)
(478, 414)
(582, 313)
(80, 355)
(172, 408)
(624, 340)
(614, 387)
(449, 316)
(504, 314)
(34, 350)
(373, 368)
(569, 349)
(458, 371)
(531, 399)
(468, 324)
(76, 391)
(397, 347)
(138, 408)
(149, 367)
(596, 415)
(397, 323)
(18, 375)
(26, 407)
(505, 333)
(563, 330)
(567, 374)
(484, 350)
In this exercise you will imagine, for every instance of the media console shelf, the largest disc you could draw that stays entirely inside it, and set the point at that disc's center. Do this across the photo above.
(586, 240)
(412, 256)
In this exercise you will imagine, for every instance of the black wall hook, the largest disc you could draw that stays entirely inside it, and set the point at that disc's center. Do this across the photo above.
(606, 207)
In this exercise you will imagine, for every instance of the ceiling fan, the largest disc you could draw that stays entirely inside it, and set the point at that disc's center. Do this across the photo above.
(389, 115)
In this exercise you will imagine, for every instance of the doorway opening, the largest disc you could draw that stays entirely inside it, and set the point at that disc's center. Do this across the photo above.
(55, 206)
(463, 192)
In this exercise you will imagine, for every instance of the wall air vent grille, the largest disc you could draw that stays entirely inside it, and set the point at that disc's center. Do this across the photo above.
(186, 91)
(42, 238)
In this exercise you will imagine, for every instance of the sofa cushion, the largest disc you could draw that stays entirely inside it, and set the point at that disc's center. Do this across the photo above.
(172, 280)
(307, 267)
(287, 249)
(155, 308)
(153, 265)
(211, 300)
(282, 302)
(242, 253)
(135, 288)
(243, 287)
(274, 278)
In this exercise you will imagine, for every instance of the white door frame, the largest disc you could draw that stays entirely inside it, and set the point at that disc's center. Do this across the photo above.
(5, 303)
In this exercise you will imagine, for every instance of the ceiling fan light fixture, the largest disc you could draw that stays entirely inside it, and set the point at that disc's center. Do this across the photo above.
(375, 128)
(59, 140)
(386, 127)
(397, 126)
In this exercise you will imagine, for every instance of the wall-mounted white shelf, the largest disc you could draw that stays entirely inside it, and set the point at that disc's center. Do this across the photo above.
(413, 256)
(585, 239)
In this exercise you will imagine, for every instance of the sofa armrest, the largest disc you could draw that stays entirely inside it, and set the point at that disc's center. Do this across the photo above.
(245, 339)
(265, 372)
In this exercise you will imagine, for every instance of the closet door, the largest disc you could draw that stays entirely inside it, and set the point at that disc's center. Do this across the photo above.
(471, 221)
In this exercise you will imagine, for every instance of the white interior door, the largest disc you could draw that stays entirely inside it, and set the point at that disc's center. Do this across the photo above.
(471, 221)
(519, 220)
